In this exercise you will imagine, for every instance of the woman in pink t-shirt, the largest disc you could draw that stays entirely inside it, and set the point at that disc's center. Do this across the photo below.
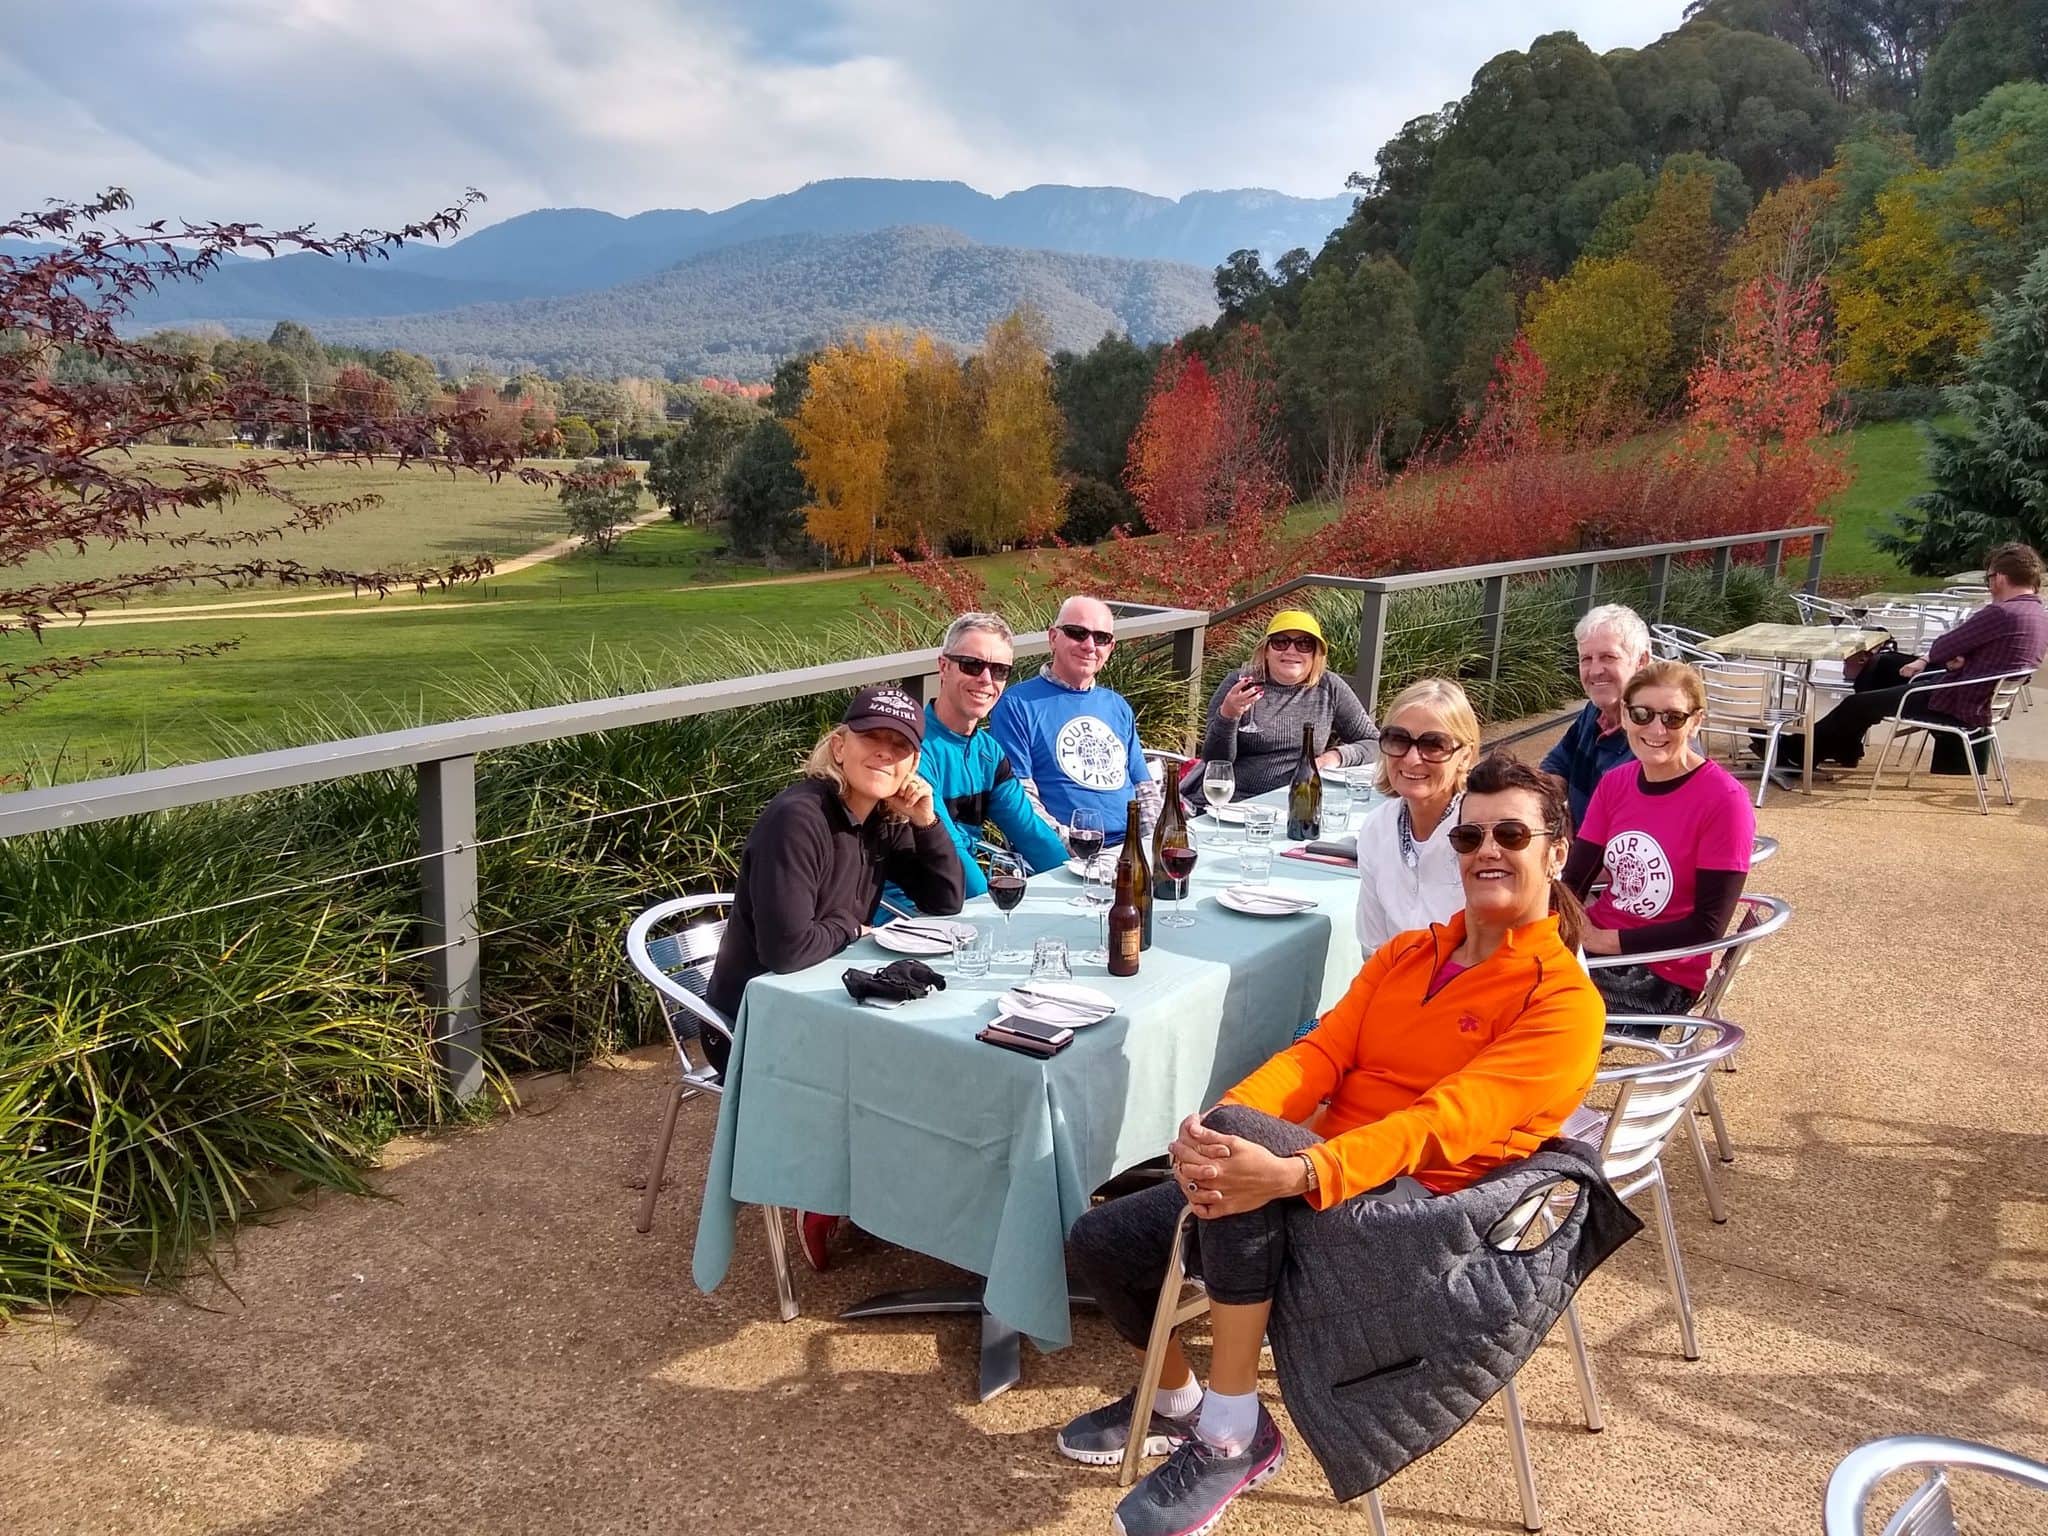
(1673, 831)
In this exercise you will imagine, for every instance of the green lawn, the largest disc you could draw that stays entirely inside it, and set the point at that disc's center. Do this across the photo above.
(426, 516)
(1886, 460)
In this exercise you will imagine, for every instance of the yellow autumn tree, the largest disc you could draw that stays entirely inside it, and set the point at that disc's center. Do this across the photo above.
(1679, 241)
(1603, 331)
(842, 433)
(1904, 308)
(1016, 493)
(1782, 235)
(931, 445)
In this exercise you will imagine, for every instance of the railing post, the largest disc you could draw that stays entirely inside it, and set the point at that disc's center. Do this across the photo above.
(1813, 559)
(1493, 616)
(447, 793)
(1774, 559)
(1372, 645)
(1589, 580)
(1187, 665)
(920, 687)
(1721, 559)
(1660, 582)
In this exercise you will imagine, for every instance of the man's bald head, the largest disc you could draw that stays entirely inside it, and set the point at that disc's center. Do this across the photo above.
(1077, 658)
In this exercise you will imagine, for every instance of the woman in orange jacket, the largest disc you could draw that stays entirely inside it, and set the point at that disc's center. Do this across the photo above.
(1458, 1048)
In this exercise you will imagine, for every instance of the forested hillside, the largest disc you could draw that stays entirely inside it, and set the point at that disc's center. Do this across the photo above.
(736, 312)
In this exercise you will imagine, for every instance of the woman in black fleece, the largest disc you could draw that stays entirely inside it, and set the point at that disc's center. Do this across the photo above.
(816, 861)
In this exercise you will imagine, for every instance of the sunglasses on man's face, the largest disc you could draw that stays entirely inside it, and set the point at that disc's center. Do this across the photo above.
(1513, 836)
(1642, 714)
(1079, 632)
(974, 666)
(1306, 644)
(1434, 746)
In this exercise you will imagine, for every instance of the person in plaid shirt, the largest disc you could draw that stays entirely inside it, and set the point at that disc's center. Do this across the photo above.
(2009, 634)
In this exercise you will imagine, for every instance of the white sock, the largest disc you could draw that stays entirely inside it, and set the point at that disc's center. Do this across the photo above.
(1228, 1423)
(1178, 1402)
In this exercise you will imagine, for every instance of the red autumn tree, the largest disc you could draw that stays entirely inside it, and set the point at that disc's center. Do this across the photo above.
(84, 410)
(1769, 390)
(1171, 466)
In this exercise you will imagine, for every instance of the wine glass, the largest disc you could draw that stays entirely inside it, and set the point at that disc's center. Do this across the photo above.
(1219, 783)
(1085, 837)
(1179, 864)
(1006, 890)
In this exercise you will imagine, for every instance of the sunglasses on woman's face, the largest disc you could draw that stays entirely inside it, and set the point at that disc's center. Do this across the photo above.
(1642, 714)
(1513, 836)
(1079, 632)
(1434, 746)
(974, 666)
(1306, 644)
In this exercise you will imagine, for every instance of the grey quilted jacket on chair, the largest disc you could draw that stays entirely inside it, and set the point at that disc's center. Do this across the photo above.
(1390, 1329)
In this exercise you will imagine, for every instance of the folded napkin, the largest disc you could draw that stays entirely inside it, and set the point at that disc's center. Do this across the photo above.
(898, 982)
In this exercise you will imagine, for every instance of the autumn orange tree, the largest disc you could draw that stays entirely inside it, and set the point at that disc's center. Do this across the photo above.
(904, 445)
(85, 413)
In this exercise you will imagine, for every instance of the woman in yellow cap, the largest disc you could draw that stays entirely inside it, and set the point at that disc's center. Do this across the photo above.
(1256, 717)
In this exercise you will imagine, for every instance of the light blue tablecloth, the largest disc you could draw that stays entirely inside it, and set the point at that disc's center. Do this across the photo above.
(982, 1157)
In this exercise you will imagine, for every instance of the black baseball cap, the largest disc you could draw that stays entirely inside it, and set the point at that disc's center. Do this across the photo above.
(885, 707)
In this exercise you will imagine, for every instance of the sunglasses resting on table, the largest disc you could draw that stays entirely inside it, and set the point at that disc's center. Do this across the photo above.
(1080, 632)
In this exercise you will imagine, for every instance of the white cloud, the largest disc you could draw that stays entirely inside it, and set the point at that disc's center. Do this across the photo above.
(374, 111)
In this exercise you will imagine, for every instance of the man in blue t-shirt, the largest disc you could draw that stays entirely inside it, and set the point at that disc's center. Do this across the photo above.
(1071, 742)
(1613, 646)
(970, 776)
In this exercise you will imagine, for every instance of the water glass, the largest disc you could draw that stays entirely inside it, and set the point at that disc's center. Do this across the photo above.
(1336, 800)
(1049, 961)
(1259, 821)
(971, 954)
(1257, 862)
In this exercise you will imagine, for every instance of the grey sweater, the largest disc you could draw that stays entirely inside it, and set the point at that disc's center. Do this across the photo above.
(1265, 759)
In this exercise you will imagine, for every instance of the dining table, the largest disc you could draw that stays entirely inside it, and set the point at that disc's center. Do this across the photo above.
(1797, 647)
(981, 1157)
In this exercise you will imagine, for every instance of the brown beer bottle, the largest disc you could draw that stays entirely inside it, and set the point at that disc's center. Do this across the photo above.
(1126, 923)
(1133, 853)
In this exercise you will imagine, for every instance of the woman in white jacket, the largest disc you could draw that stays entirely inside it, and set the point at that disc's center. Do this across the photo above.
(1408, 874)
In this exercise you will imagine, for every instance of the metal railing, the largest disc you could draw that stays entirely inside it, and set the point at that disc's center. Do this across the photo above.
(444, 756)
(1374, 592)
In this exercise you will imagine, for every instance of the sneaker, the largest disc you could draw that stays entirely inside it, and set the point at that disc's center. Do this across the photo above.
(1097, 1439)
(1189, 1493)
(813, 1232)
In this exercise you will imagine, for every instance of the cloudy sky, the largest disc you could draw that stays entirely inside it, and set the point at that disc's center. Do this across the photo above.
(370, 112)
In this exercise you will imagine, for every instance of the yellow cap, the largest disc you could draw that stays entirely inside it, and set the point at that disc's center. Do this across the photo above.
(1298, 619)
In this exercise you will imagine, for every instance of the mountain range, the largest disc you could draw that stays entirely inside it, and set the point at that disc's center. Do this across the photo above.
(736, 311)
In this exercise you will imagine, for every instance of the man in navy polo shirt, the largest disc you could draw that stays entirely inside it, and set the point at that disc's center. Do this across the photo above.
(1614, 643)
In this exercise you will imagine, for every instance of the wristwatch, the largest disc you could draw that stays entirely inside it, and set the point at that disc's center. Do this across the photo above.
(1314, 1184)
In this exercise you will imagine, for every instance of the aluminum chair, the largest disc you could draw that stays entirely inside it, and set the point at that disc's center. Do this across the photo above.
(2005, 692)
(1653, 1098)
(1674, 642)
(1181, 1300)
(1746, 699)
(1818, 610)
(677, 965)
(1761, 848)
(1756, 919)
(1928, 1510)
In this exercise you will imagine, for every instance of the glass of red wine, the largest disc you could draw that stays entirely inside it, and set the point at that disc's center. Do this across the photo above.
(1006, 890)
(1085, 837)
(1179, 864)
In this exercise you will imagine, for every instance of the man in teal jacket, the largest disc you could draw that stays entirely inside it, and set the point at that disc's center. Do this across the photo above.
(970, 775)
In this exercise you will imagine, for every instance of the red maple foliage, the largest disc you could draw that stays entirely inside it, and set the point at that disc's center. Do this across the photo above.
(84, 413)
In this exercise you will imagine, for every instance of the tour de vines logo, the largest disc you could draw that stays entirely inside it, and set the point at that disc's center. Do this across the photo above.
(1090, 753)
(1639, 874)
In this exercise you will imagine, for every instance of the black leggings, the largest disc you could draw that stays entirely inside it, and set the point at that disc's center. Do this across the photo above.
(1119, 1248)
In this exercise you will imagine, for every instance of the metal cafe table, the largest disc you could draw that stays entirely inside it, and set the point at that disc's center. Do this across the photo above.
(1799, 646)
(982, 1157)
